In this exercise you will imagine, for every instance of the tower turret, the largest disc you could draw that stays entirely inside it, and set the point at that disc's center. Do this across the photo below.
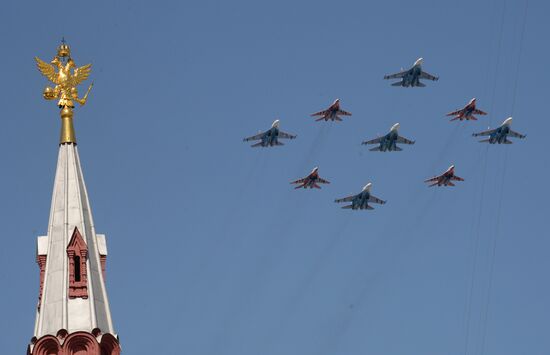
(73, 314)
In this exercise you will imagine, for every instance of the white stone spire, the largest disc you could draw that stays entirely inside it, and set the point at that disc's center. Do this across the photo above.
(73, 295)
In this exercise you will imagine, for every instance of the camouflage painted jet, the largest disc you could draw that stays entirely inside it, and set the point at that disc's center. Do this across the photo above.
(331, 113)
(270, 137)
(446, 178)
(499, 135)
(361, 200)
(311, 181)
(412, 76)
(389, 141)
(467, 113)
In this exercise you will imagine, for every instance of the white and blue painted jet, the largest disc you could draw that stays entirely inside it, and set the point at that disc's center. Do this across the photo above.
(389, 141)
(411, 77)
(270, 137)
(500, 135)
(361, 200)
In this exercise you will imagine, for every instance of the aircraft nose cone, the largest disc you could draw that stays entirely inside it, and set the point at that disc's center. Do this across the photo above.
(508, 121)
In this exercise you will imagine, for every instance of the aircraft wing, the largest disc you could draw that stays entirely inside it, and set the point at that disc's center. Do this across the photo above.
(454, 113)
(403, 140)
(345, 199)
(254, 138)
(396, 75)
(344, 113)
(286, 135)
(516, 134)
(457, 178)
(479, 112)
(376, 200)
(320, 113)
(373, 141)
(299, 181)
(322, 181)
(425, 75)
(484, 133)
(435, 178)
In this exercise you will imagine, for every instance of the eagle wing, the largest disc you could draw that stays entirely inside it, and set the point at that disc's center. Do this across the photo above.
(81, 74)
(47, 70)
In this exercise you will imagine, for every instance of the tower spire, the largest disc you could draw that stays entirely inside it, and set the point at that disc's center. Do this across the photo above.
(73, 314)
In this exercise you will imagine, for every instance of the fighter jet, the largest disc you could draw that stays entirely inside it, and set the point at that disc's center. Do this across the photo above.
(389, 141)
(311, 181)
(361, 200)
(467, 113)
(412, 76)
(270, 137)
(499, 135)
(331, 113)
(445, 179)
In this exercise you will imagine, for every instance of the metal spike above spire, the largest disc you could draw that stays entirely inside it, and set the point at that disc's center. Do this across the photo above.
(66, 82)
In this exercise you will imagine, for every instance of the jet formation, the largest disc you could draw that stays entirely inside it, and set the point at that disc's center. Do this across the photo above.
(388, 142)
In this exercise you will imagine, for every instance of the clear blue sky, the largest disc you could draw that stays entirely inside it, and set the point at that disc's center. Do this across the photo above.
(211, 250)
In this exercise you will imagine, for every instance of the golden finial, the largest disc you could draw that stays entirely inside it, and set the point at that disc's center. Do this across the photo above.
(65, 89)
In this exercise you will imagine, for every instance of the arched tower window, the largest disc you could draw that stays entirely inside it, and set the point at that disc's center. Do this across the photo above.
(76, 263)
(77, 252)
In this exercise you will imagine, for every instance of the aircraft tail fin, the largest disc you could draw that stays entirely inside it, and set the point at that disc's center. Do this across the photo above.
(420, 84)
(316, 186)
(397, 149)
(484, 140)
(320, 119)
(456, 118)
(399, 83)
(278, 143)
(375, 149)
(347, 207)
(259, 144)
(507, 141)
(450, 184)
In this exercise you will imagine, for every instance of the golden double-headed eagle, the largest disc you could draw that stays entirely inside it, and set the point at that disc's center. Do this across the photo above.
(65, 81)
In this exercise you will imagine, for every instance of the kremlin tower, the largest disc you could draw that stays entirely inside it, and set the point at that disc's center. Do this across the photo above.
(73, 315)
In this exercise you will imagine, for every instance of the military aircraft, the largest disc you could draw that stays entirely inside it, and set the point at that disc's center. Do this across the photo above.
(332, 112)
(361, 200)
(446, 178)
(412, 76)
(467, 113)
(389, 141)
(270, 137)
(499, 135)
(311, 181)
